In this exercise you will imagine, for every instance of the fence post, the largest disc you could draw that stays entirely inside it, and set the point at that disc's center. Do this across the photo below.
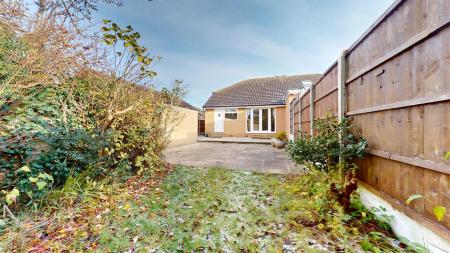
(342, 103)
(312, 96)
(300, 115)
(342, 70)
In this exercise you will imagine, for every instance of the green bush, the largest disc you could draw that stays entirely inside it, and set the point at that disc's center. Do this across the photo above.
(34, 136)
(333, 149)
(327, 148)
(93, 124)
(72, 150)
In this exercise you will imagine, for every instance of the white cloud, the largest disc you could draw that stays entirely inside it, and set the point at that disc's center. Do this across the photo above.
(212, 44)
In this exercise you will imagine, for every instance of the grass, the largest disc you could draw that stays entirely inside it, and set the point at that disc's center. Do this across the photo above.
(214, 210)
(190, 210)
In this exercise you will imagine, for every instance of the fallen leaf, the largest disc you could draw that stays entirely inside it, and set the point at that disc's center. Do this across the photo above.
(439, 212)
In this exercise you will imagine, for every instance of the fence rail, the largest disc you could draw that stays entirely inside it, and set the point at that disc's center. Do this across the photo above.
(395, 83)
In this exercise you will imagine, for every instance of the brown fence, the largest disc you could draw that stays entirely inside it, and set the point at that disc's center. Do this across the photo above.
(201, 126)
(294, 119)
(395, 83)
(305, 119)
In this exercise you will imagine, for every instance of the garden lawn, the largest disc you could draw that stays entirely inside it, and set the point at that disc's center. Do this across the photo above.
(189, 210)
(212, 210)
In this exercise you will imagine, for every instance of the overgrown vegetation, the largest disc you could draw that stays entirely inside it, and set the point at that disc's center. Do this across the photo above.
(81, 142)
(326, 196)
(199, 210)
(310, 203)
(67, 109)
(334, 148)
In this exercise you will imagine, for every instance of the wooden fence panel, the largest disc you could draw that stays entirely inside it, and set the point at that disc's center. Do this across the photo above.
(396, 92)
(417, 73)
(305, 112)
(296, 111)
(305, 100)
(407, 20)
(305, 120)
(326, 106)
(326, 94)
(291, 118)
(437, 131)
(400, 180)
(397, 89)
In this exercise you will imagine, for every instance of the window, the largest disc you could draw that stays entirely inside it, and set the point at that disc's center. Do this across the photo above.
(265, 119)
(256, 120)
(261, 120)
(231, 113)
(272, 119)
(249, 120)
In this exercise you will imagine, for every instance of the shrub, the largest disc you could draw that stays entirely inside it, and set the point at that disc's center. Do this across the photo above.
(36, 134)
(334, 148)
(327, 148)
(66, 153)
(282, 136)
(65, 120)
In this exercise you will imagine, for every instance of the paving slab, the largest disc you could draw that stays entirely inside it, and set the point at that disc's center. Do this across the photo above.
(237, 156)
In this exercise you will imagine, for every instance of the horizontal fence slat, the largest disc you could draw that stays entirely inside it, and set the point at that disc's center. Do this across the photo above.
(402, 104)
(439, 167)
(410, 43)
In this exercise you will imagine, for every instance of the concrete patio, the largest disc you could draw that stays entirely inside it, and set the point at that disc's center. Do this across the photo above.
(238, 156)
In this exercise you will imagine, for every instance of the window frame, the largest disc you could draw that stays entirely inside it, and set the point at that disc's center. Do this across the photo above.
(226, 111)
(250, 111)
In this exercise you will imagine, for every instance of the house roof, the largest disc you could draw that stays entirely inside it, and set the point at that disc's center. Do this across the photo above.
(258, 91)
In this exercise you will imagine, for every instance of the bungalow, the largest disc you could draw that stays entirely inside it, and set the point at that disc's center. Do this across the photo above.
(253, 108)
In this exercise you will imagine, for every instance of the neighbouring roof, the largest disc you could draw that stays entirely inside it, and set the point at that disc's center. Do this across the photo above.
(258, 91)
(186, 105)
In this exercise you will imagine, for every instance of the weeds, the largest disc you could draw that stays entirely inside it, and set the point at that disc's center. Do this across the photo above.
(308, 199)
(333, 148)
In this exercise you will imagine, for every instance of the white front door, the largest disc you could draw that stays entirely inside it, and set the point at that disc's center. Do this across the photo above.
(219, 115)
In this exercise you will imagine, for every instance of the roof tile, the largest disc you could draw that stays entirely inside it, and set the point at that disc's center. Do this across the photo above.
(258, 91)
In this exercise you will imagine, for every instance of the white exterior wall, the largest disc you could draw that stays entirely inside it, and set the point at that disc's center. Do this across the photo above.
(403, 225)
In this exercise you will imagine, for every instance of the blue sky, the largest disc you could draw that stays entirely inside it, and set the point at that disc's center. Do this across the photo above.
(210, 44)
